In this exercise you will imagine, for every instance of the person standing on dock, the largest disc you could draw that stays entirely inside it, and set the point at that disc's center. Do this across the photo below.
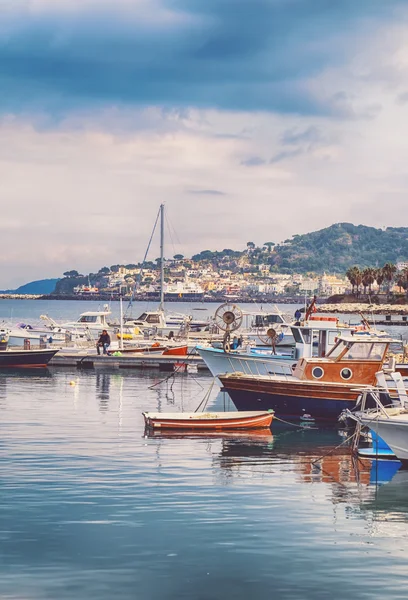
(103, 342)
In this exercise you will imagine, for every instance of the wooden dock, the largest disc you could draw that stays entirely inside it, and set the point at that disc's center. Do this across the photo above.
(140, 361)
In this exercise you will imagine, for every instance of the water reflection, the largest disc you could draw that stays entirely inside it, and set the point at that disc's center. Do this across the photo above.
(390, 500)
(91, 509)
(102, 382)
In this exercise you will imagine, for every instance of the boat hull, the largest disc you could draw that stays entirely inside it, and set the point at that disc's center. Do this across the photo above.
(25, 358)
(220, 362)
(394, 433)
(291, 400)
(209, 421)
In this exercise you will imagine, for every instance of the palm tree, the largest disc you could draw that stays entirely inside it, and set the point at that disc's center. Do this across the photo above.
(402, 279)
(351, 276)
(400, 282)
(389, 270)
(368, 278)
(354, 276)
(379, 277)
(358, 279)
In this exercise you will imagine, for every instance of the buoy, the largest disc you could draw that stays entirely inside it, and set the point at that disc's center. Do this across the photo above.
(72, 383)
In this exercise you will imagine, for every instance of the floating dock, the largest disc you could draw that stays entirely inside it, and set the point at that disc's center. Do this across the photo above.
(139, 361)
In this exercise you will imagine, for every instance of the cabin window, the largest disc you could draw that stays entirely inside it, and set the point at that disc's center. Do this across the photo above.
(332, 337)
(317, 372)
(153, 319)
(265, 320)
(337, 350)
(346, 374)
(365, 351)
(307, 335)
(88, 319)
(296, 335)
(142, 317)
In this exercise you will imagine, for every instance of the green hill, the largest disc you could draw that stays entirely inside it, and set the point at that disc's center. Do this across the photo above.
(340, 246)
(42, 286)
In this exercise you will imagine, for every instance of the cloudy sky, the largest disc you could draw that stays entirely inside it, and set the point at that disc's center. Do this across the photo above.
(251, 120)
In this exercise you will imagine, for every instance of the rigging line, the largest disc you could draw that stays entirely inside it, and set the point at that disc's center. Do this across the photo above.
(144, 260)
(174, 230)
(169, 232)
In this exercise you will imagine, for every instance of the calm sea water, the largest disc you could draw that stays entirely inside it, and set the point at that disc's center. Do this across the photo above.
(92, 508)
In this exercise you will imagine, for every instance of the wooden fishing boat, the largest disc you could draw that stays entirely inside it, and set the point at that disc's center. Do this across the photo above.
(209, 421)
(319, 387)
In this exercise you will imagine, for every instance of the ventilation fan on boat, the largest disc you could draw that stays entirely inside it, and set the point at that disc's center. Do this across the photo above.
(269, 337)
(228, 317)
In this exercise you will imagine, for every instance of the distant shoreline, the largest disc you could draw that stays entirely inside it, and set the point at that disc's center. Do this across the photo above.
(108, 298)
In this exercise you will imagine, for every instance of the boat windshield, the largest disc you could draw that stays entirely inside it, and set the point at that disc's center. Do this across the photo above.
(337, 349)
(265, 320)
(364, 351)
(88, 319)
(149, 318)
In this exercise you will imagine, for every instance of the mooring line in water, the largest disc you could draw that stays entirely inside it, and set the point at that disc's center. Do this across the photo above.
(333, 449)
(206, 397)
(288, 423)
(176, 370)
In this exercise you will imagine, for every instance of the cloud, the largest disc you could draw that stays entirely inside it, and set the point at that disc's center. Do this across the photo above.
(230, 112)
(311, 134)
(257, 55)
(207, 192)
(253, 161)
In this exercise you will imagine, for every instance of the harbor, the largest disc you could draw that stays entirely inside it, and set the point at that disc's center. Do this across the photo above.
(203, 300)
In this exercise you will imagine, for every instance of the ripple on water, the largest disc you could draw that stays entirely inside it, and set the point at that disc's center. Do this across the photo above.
(91, 508)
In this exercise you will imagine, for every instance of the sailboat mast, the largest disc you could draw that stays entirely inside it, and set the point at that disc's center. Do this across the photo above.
(161, 307)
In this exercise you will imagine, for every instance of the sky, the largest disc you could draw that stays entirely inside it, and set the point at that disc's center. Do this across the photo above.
(252, 120)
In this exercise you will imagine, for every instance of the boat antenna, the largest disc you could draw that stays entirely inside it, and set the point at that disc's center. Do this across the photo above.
(161, 211)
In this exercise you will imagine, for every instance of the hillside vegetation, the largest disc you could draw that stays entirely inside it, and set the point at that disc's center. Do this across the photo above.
(337, 248)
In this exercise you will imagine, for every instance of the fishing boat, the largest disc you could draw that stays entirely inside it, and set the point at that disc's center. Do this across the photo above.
(320, 387)
(315, 336)
(209, 421)
(15, 358)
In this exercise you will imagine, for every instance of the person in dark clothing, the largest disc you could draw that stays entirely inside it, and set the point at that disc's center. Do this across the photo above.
(298, 314)
(103, 342)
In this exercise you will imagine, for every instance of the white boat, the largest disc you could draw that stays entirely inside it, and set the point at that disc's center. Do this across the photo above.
(313, 337)
(389, 418)
(90, 322)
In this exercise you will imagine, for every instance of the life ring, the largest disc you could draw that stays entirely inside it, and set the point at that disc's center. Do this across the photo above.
(27, 344)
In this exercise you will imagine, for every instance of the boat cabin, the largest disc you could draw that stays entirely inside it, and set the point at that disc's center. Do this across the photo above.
(94, 318)
(267, 320)
(352, 358)
(148, 320)
(315, 338)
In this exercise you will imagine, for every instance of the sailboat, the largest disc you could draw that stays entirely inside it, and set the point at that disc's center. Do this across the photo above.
(157, 322)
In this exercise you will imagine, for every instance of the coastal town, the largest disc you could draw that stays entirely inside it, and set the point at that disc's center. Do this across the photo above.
(189, 280)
